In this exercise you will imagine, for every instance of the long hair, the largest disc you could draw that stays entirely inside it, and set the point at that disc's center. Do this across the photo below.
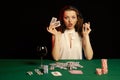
(79, 24)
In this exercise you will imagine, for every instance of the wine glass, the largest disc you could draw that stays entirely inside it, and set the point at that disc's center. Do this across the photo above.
(42, 51)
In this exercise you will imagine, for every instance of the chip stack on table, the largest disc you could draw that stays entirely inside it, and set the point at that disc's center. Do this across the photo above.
(104, 66)
(104, 69)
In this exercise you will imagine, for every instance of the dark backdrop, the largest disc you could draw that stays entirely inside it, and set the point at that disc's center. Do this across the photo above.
(24, 27)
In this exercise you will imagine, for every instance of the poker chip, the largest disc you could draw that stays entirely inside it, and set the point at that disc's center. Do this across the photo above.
(52, 68)
(104, 71)
(99, 71)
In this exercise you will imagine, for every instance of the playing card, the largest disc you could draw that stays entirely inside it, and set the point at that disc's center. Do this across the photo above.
(30, 73)
(56, 73)
(55, 22)
(76, 72)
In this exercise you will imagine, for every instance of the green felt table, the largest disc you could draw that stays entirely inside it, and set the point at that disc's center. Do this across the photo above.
(16, 69)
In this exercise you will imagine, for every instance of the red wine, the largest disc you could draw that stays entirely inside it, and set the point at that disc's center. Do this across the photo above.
(42, 50)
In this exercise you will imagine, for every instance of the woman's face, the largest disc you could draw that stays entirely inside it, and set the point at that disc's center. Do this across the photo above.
(70, 19)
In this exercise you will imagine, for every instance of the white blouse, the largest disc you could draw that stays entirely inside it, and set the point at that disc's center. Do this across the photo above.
(73, 52)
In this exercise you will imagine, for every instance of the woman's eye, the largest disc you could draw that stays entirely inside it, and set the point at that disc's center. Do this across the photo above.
(66, 17)
(73, 17)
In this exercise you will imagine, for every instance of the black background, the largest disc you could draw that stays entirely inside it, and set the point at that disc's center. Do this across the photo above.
(23, 26)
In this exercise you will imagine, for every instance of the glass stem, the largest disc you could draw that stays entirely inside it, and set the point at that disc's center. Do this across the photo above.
(41, 62)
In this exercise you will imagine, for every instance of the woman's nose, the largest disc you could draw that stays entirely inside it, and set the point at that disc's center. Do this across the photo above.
(70, 20)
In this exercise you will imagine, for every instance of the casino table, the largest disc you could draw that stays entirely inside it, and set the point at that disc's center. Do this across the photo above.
(16, 69)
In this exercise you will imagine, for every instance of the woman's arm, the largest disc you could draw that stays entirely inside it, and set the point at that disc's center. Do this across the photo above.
(56, 46)
(55, 38)
(88, 51)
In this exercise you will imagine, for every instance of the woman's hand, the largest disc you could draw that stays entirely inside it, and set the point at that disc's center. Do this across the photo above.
(53, 24)
(86, 29)
(88, 51)
(52, 29)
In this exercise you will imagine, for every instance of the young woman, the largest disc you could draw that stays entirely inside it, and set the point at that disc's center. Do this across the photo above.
(71, 37)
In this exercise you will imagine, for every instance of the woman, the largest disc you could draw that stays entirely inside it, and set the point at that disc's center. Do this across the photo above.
(70, 36)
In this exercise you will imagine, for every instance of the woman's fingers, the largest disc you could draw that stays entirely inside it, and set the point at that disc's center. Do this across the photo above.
(86, 28)
(52, 30)
(52, 26)
(83, 29)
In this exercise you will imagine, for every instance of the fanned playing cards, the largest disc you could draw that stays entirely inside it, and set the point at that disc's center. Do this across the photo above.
(55, 22)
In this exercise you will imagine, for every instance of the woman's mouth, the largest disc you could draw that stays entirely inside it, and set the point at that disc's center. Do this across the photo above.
(70, 25)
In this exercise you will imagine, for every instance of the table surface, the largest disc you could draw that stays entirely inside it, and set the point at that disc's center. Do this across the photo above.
(16, 69)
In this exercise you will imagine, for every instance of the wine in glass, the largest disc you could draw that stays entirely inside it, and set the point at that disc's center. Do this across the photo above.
(42, 51)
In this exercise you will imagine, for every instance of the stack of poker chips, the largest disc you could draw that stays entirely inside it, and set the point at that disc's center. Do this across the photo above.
(45, 69)
(104, 69)
(104, 66)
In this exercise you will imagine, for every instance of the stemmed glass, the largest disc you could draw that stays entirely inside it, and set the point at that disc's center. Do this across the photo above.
(42, 51)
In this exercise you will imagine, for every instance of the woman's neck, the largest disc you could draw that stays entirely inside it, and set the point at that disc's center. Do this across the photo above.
(70, 30)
